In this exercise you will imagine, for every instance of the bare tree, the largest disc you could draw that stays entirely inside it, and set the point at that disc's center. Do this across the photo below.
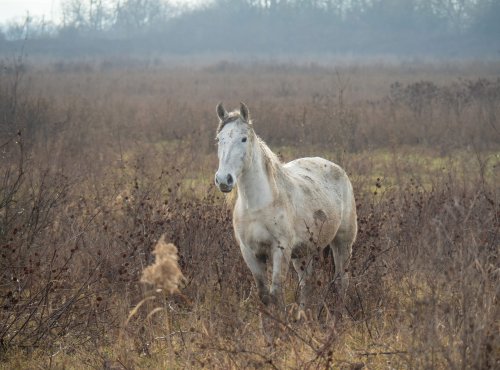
(86, 15)
(458, 13)
(134, 16)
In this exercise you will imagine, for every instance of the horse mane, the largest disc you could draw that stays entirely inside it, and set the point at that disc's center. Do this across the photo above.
(272, 165)
(271, 157)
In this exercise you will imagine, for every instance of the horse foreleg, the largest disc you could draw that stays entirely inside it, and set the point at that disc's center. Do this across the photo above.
(281, 262)
(258, 267)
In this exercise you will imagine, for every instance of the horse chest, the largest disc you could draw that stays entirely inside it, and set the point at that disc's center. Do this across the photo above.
(260, 231)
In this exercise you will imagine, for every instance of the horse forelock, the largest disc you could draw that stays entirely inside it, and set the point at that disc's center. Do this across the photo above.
(231, 117)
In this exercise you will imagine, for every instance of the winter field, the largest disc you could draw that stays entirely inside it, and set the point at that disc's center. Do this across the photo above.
(99, 159)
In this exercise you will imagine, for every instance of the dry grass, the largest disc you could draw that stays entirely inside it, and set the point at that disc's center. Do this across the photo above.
(109, 159)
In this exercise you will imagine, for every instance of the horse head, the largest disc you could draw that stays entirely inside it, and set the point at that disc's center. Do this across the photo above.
(234, 138)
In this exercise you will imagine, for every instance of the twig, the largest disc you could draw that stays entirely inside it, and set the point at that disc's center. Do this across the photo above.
(385, 353)
(121, 363)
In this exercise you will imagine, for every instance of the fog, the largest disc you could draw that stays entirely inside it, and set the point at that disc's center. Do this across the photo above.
(441, 28)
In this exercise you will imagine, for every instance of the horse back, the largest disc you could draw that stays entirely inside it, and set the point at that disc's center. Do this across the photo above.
(321, 175)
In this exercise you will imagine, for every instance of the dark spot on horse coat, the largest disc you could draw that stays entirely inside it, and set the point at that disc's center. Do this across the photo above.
(326, 252)
(299, 250)
(262, 253)
(261, 257)
(320, 216)
(336, 173)
(305, 189)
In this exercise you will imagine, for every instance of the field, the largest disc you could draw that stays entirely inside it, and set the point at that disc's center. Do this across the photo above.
(101, 158)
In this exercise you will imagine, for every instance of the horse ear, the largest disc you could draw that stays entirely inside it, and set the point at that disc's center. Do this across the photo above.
(221, 111)
(244, 112)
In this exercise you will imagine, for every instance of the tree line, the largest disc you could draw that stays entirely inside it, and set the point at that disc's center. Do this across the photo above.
(269, 26)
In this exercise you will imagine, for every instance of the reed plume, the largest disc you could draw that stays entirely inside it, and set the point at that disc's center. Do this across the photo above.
(164, 273)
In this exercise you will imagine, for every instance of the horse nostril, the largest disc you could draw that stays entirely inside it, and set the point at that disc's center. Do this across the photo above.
(229, 180)
(216, 180)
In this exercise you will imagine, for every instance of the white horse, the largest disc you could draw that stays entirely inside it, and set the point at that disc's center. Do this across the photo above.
(286, 211)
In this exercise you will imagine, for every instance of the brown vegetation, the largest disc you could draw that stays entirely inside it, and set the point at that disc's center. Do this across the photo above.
(98, 162)
(165, 272)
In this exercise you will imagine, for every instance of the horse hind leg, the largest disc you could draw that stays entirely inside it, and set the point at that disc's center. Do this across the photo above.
(341, 248)
(304, 267)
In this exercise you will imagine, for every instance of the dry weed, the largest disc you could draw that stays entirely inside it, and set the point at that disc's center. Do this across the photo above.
(165, 272)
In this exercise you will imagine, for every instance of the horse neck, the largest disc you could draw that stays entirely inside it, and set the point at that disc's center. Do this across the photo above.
(256, 187)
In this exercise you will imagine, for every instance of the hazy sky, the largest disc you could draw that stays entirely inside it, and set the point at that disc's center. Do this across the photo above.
(16, 9)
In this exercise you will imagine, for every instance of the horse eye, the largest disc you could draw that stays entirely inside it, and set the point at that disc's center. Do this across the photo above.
(244, 140)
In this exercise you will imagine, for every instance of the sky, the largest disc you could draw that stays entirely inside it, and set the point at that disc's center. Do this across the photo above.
(50, 9)
(17, 9)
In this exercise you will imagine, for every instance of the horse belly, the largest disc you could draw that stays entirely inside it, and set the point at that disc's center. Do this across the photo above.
(317, 232)
(317, 198)
(316, 223)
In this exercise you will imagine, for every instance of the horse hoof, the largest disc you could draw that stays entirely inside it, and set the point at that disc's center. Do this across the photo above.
(301, 316)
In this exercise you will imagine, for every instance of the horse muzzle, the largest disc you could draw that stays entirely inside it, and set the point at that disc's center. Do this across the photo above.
(225, 183)
(225, 188)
